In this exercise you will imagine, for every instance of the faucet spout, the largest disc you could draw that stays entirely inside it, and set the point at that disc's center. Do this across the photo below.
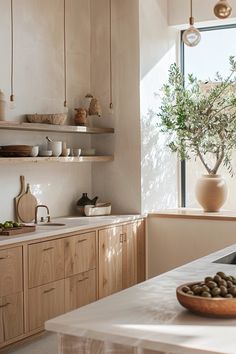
(36, 212)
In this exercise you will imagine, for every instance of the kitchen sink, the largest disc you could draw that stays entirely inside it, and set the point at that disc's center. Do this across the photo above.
(229, 259)
(52, 224)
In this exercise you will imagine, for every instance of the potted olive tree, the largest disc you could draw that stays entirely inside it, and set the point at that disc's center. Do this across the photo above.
(200, 120)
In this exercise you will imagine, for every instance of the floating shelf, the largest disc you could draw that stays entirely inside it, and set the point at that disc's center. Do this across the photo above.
(54, 128)
(69, 159)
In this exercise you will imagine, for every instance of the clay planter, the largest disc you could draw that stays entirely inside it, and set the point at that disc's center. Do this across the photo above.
(211, 192)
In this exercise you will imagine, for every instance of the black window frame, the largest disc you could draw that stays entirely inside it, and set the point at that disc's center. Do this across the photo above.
(183, 191)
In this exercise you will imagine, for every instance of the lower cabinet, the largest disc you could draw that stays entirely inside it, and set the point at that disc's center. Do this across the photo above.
(11, 316)
(80, 290)
(45, 302)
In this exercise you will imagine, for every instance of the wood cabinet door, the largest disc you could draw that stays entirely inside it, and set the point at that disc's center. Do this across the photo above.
(1, 322)
(45, 302)
(12, 316)
(46, 262)
(110, 261)
(141, 249)
(11, 271)
(80, 253)
(80, 290)
(130, 256)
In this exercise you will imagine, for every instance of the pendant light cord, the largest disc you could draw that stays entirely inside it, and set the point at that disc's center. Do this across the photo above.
(12, 52)
(110, 49)
(65, 58)
(191, 8)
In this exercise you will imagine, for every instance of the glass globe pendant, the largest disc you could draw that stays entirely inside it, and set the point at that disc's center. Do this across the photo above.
(191, 36)
(222, 9)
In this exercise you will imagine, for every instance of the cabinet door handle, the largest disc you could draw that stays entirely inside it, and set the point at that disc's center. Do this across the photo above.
(48, 249)
(125, 237)
(80, 241)
(6, 257)
(80, 281)
(121, 238)
(5, 305)
(48, 291)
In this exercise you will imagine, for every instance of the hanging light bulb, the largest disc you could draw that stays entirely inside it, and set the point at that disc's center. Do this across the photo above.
(12, 104)
(222, 9)
(191, 36)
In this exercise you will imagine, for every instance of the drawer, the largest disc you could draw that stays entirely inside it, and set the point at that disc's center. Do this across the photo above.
(46, 262)
(80, 253)
(11, 316)
(11, 271)
(45, 302)
(80, 290)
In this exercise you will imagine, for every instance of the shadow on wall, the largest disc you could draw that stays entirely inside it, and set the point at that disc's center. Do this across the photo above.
(159, 168)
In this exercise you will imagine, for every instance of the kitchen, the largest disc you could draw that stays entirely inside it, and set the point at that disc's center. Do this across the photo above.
(119, 52)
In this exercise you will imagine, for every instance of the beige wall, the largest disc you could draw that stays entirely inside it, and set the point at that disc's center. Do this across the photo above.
(39, 88)
(173, 242)
(120, 181)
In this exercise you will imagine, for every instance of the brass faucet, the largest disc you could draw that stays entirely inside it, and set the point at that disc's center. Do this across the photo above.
(36, 213)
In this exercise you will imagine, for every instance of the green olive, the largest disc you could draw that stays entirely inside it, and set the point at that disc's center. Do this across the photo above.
(205, 294)
(229, 296)
(229, 284)
(197, 290)
(207, 279)
(232, 290)
(221, 274)
(223, 282)
(205, 288)
(215, 291)
(217, 278)
(190, 293)
(211, 284)
(185, 289)
(223, 291)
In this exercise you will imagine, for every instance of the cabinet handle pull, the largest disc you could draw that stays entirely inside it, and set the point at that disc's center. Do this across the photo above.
(48, 249)
(121, 238)
(6, 257)
(125, 237)
(5, 305)
(48, 291)
(80, 241)
(80, 281)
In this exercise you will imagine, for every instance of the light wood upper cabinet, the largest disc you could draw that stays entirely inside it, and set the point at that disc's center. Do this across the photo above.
(46, 262)
(12, 316)
(11, 271)
(130, 256)
(80, 290)
(110, 261)
(80, 253)
(45, 302)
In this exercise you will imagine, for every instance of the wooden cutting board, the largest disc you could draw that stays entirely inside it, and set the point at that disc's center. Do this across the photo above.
(16, 199)
(26, 206)
(17, 231)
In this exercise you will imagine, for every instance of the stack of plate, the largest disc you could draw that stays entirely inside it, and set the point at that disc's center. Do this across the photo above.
(15, 150)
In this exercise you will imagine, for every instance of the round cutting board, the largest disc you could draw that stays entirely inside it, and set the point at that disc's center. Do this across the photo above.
(26, 206)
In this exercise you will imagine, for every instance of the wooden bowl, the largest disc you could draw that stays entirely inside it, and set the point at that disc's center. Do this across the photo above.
(15, 150)
(55, 119)
(211, 307)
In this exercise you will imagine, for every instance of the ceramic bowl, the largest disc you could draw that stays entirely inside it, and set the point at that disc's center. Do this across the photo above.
(45, 153)
(34, 151)
(211, 307)
(56, 147)
(76, 152)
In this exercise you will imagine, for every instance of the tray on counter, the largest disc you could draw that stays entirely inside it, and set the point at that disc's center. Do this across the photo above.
(17, 230)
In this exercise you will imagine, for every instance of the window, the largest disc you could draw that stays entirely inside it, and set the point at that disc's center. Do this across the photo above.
(211, 55)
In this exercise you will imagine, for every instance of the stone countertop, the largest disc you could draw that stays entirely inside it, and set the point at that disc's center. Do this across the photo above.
(72, 224)
(148, 315)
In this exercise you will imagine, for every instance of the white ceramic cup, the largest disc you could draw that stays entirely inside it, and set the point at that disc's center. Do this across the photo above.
(56, 147)
(34, 151)
(76, 152)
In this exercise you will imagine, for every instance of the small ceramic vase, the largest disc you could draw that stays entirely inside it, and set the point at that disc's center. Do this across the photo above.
(80, 116)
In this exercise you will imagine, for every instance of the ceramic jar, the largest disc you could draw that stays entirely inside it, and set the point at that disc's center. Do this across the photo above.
(80, 116)
(211, 192)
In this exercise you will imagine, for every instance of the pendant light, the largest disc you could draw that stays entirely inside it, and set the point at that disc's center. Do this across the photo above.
(110, 54)
(12, 98)
(222, 9)
(191, 36)
(65, 58)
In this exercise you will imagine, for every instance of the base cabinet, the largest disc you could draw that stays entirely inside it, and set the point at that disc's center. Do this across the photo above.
(45, 302)
(11, 317)
(80, 290)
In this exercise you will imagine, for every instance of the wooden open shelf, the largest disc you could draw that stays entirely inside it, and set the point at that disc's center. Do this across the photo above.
(69, 159)
(54, 128)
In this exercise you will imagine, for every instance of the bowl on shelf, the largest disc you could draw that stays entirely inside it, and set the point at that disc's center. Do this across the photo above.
(45, 153)
(210, 307)
(56, 118)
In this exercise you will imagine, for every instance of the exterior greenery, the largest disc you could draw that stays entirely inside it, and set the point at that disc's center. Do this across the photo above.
(200, 118)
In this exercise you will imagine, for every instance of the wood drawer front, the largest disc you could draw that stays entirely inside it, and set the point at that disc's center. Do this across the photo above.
(11, 316)
(80, 290)
(11, 271)
(80, 253)
(46, 262)
(45, 302)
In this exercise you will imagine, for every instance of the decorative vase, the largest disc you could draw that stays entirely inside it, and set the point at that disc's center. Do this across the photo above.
(80, 116)
(211, 192)
(83, 201)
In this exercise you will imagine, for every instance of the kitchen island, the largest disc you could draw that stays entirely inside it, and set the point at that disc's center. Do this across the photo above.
(147, 318)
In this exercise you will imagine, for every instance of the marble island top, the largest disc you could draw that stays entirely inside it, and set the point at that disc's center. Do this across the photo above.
(148, 316)
(72, 224)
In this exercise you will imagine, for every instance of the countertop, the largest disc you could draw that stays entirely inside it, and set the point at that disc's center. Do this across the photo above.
(149, 316)
(187, 213)
(72, 224)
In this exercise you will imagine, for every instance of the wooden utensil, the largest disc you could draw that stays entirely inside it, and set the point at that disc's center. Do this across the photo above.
(26, 206)
(16, 199)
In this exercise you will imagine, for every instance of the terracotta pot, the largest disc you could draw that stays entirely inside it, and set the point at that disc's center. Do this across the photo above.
(211, 192)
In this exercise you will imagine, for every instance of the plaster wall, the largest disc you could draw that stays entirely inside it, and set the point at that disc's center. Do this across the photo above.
(38, 83)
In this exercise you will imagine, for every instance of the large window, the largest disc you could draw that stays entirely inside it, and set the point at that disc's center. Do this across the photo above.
(210, 56)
